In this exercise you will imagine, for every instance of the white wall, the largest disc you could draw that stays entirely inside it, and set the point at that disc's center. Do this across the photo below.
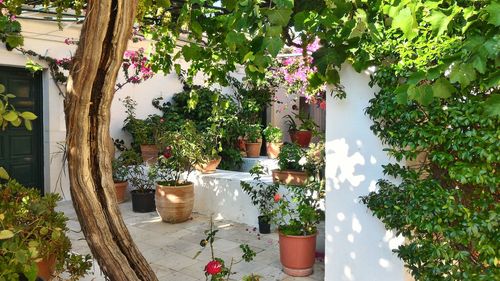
(358, 247)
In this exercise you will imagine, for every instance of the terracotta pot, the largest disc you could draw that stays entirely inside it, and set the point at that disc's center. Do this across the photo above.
(297, 254)
(253, 149)
(210, 166)
(302, 138)
(273, 149)
(241, 144)
(174, 204)
(289, 177)
(143, 202)
(149, 153)
(121, 191)
(46, 268)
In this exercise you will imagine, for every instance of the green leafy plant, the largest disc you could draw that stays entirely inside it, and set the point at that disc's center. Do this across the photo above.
(273, 134)
(122, 164)
(181, 152)
(216, 269)
(261, 194)
(141, 178)
(9, 115)
(253, 133)
(31, 230)
(306, 123)
(291, 157)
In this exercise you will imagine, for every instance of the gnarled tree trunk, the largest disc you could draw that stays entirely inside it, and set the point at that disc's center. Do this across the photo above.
(90, 90)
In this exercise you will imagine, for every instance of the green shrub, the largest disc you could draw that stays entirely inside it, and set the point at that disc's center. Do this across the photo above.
(273, 134)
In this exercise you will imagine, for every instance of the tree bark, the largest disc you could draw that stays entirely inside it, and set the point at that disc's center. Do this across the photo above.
(90, 88)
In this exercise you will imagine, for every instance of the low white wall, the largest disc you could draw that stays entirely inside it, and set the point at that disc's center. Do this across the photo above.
(358, 247)
(220, 194)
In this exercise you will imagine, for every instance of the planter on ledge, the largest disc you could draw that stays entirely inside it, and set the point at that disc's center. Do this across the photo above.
(149, 153)
(210, 166)
(273, 149)
(289, 177)
(253, 149)
(302, 138)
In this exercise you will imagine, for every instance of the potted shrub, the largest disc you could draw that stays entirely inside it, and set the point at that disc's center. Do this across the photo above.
(301, 134)
(141, 179)
(142, 131)
(291, 161)
(182, 151)
(297, 216)
(211, 148)
(274, 140)
(121, 168)
(262, 196)
(33, 241)
(253, 142)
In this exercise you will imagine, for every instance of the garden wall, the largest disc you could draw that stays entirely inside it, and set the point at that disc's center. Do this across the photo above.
(358, 247)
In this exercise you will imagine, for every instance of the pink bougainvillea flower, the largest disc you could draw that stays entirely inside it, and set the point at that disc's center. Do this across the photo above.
(213, 267)
(277, 198)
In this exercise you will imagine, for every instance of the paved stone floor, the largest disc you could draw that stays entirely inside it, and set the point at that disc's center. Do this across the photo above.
(171, 248)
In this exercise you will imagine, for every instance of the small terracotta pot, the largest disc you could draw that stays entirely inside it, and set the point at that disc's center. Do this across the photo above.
(121, 191)
(297, 254)
(210, 166)
(46, 268)
(174, 204)
(253, 149)
(149, 153)
(302, 138)
(289, 177)
(273, 149)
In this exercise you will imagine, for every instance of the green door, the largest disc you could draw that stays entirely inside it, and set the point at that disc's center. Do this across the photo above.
(21, 151)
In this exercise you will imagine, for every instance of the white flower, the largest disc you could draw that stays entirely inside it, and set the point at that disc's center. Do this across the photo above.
(302, 161)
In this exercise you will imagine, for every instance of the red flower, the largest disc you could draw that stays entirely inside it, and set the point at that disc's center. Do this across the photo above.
(277, 198)
(213, 267)
(167, 153)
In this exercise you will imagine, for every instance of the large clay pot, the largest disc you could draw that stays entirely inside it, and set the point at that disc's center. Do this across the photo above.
(143, 201)
(46, 268)
(253, 149)
(302, 138)
(289, 177)
(121, 191)
(297, 254)
(174, 204)
(210, 166)
(273, 149)
(149, 153)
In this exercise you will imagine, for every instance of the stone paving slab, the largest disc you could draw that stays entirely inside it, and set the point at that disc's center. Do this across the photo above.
(171, 248)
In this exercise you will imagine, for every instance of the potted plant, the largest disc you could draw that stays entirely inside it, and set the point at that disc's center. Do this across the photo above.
(297, 216)
(300, 134)
(291, 162)
(142, 179)
(274, 140)
(121, 168)
(253, 142)
(262, 196)
(33, 241)
(182, 151)
(211, 148)
(142, 131)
